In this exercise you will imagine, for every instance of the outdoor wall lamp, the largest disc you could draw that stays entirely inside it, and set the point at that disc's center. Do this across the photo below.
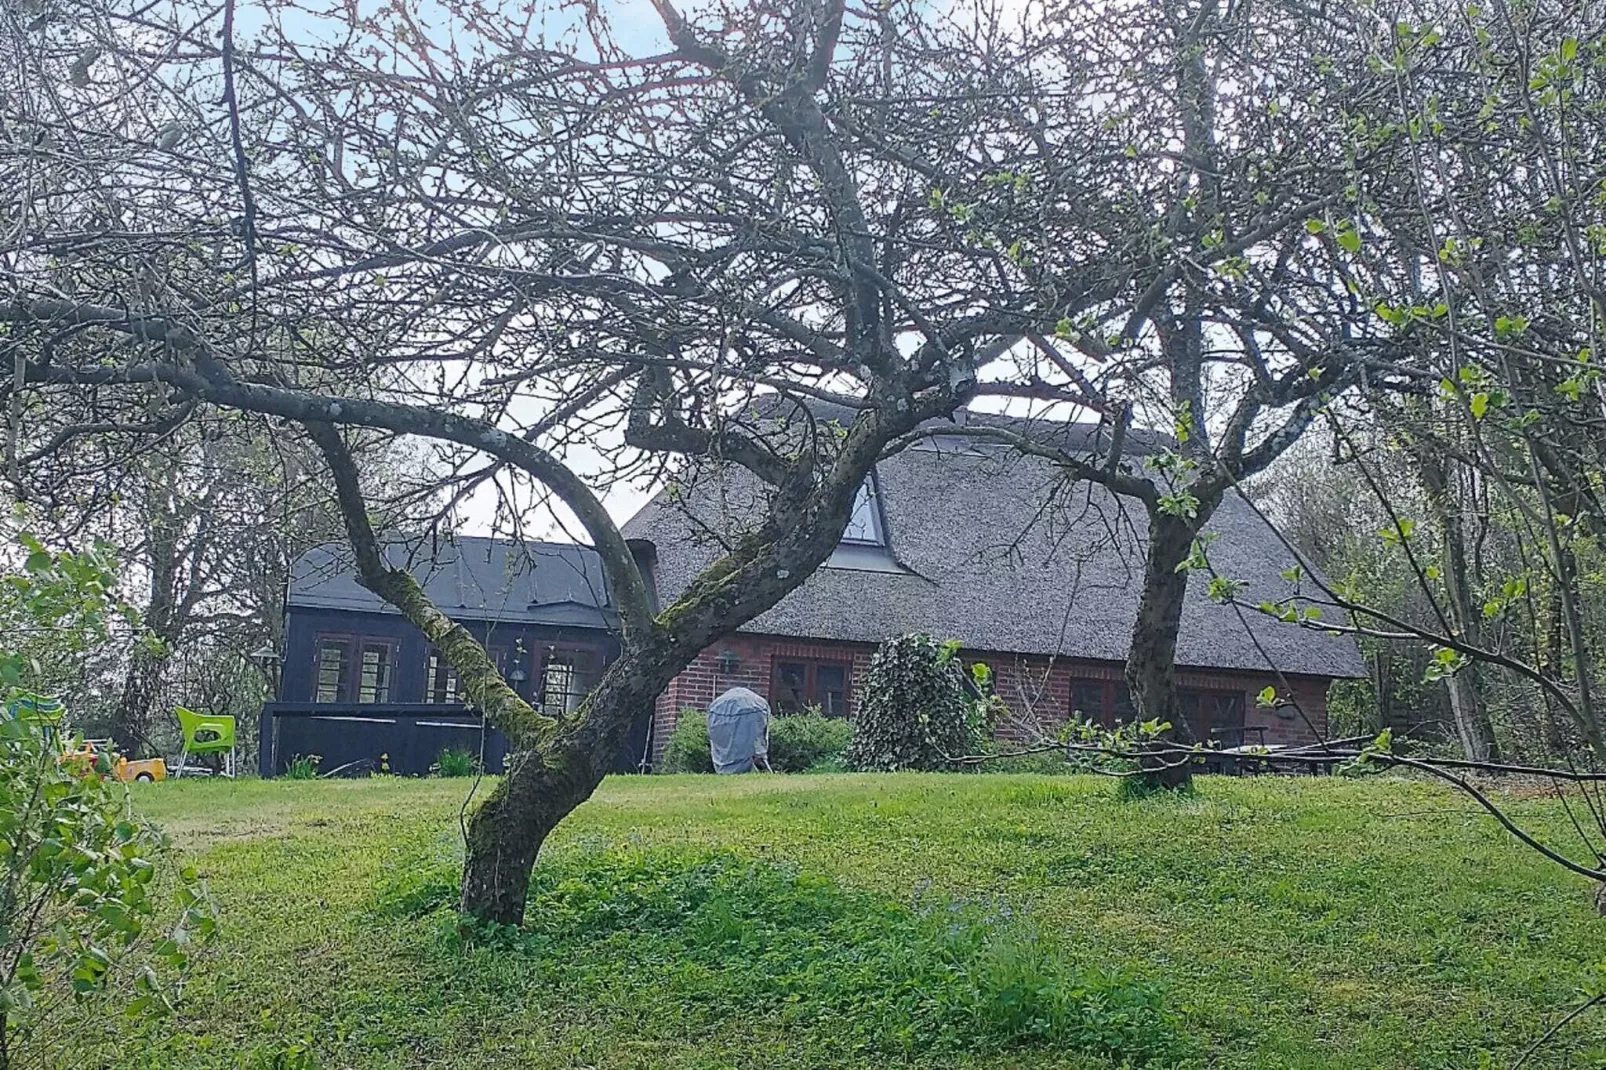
(727, 662)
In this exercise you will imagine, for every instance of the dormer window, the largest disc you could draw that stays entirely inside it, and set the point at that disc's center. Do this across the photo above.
(865, 527)
(864, 546)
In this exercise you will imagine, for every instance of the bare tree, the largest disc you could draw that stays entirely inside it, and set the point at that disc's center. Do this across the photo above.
(540, 256)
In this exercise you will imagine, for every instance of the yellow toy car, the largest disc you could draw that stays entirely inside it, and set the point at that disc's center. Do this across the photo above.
(144, 769)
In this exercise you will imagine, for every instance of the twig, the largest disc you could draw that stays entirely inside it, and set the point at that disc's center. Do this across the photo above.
(1558, 1027)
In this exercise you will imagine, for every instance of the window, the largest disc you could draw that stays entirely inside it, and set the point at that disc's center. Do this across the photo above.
(865, 527)
(332, 669)
(1104, 702)
(1087, 700)
(831, 689)
(566, 679)
(790, 692)
(558, 683)
(352, 669)
(798, 684)
(440, 682)
(1214, 716)
(373, 682)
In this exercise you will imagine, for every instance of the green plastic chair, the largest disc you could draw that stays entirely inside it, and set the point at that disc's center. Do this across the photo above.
(204, 734)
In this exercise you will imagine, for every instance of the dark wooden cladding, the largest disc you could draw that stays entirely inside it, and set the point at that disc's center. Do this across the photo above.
(405, 731)
(366, 737)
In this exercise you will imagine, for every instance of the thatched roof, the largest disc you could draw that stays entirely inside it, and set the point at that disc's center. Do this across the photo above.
(997, 551)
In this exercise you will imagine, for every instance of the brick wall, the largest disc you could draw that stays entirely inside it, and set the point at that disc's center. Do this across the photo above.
(1037, 689)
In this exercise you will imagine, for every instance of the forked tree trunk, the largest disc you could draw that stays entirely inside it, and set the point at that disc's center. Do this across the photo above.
(540, 789)
(506, 832)
(1151, 659)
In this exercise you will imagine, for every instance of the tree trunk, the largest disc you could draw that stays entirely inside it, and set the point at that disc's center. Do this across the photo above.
(506, 832)
(1472, 726)
(130, 727)
(1554, 662)
(1151, 660)
(540, 789)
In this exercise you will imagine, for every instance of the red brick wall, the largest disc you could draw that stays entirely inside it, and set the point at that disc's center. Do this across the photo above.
(1037, 689)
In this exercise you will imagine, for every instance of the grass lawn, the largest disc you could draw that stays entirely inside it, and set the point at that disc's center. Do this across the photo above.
(1286, 923)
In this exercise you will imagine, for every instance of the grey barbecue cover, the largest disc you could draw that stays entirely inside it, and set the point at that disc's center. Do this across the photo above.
(738, 730)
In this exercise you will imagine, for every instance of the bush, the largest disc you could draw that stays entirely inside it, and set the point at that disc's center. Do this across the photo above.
(797, 741)
(1041, 763)
(456, 763)
(835, 763)
(78, 897)
(800, 741)
(912, 710)
(687, 749)
(302, 767)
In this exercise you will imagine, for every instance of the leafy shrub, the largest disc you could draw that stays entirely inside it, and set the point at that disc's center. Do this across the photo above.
(800, 741)
(912, 710)
(698, 936)
(78, 892)
(302, 767)
(797, 741)
(454, 762)
(687, 749)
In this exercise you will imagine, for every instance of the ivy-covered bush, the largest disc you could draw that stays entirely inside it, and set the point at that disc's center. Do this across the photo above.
(801, 741)
(687, 749)
(912, 712)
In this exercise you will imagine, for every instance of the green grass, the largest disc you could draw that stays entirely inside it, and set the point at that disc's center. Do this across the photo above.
(787, 922)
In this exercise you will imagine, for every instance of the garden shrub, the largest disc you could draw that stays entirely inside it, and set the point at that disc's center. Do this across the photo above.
(302, 767)
(797, 741)
(800, 741)
(454, 762)
(912, 709)
(834, 763)
(1042, 763)
(687, 749)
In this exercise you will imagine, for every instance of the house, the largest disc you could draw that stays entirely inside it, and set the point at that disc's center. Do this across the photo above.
(361, 687)
(1038, 578)
(954, 536)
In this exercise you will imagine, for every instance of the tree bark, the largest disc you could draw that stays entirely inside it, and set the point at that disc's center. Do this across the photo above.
(130, 727)
(507, 831)
(131, 718)
(540, 788)
(1152, 654)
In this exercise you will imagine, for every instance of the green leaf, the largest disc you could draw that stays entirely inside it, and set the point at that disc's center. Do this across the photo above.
(1479, 404)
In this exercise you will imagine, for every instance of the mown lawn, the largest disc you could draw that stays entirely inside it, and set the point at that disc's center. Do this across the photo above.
(1286, 923)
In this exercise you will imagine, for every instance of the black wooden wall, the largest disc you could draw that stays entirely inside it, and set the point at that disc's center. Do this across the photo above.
(410, 733)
